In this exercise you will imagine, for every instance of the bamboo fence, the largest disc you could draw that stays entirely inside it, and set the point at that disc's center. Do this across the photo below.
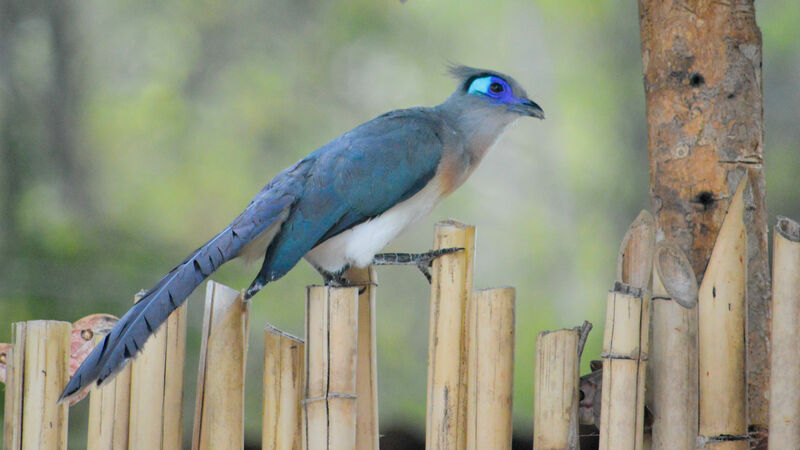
(321, 391)
(721, 335)
(784, 411)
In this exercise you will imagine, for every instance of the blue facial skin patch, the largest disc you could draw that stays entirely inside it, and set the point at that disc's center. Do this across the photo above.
(480, 85)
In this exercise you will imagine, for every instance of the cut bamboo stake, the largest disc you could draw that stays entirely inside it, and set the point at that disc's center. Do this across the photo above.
(219, 408)
(38, 372)
(109, 412)
(367, 433)
(284, 380)
(634, 268)
(721, 334)
(12, 412)
(672, 367)
(447, 345)
(331, 337)
(624, 357)
(491, 369)
(784, 403)
(156, 417)
(555, 388)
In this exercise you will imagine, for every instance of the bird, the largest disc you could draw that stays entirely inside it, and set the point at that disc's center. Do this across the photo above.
(337, 207)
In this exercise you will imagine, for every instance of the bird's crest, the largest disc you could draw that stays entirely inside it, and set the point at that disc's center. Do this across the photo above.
(465, 74)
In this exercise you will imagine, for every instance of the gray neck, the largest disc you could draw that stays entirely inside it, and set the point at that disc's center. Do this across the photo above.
(479, 123)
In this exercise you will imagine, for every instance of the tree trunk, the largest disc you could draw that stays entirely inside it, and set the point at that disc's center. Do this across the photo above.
(702, 78)
(63, 104)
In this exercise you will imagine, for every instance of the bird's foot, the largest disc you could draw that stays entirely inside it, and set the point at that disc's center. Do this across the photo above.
(335, 279)
(423, 261)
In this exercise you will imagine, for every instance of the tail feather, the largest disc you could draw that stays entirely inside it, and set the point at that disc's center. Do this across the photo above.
(128, 336)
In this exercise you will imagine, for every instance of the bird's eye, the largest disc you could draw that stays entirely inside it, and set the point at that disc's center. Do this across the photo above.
(496, 88)
(581, 395)
(87, 334)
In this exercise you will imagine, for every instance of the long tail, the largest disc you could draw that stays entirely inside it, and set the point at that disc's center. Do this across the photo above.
(128, 336)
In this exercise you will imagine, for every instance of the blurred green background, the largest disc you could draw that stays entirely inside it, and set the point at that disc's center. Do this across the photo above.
(132, 131)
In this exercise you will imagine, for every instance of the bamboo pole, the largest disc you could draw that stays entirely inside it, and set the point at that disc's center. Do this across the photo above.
(491, 369)
(12, 394)
(634, 268)
(38, 370)
(555, 391)
(784, 403)
(721, 335)
(624, 358)
(448, 345)
(331, 336)
(219, 408)
(109, 411)
(672, 367)
(284, 381)
(156, 416)
(367, 433)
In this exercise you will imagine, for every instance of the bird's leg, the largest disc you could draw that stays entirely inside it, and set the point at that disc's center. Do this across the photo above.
(335, 279)
(423, 261)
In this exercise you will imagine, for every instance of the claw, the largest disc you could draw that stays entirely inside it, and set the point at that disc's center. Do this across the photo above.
(425, 271)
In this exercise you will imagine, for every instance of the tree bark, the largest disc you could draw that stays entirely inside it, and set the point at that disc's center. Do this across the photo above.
(702, 78)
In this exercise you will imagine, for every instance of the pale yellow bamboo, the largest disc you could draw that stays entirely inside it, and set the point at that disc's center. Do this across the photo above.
(38, 372)
(672, 367)
(635, 258)
(491, 369)
(173, 379)
(109, 412)
(634, 268)
(784, 403)
(12, 411)
(447, 342)
(555, 392)
(367, 433)
(332, 335)
(721, 335)
(624, 357)
(219, 408)
(284, 381)
(156, 417)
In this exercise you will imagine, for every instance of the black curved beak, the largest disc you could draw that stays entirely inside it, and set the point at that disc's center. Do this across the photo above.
(530, 108)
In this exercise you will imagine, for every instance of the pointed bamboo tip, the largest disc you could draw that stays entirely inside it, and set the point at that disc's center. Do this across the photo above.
(636, 251)
(675, 273)
(788, 228)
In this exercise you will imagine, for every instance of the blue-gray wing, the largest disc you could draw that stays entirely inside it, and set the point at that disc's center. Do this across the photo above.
(354, 178)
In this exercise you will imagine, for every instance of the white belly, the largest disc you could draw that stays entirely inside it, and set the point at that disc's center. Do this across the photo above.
(357, 246)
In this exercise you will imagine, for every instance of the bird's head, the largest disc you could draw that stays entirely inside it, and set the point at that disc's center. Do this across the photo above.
(493, 93)
(484, 104)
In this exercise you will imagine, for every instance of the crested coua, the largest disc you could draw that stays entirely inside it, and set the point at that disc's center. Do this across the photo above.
(337, 207)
